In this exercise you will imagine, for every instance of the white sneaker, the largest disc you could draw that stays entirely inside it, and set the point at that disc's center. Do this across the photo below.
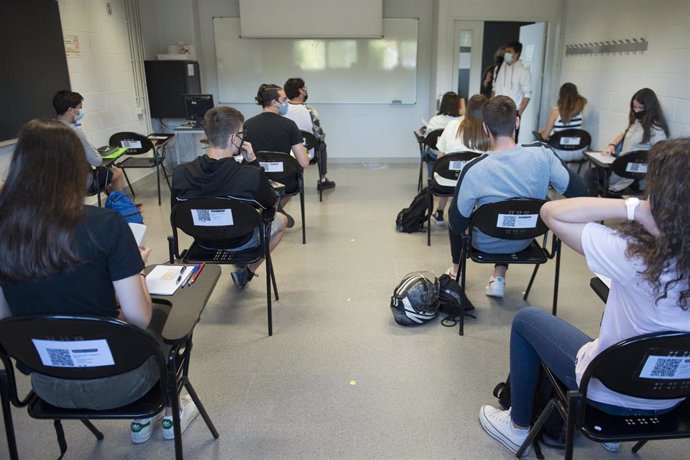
(611, 446)
(497, 423)
(452, 273)
(496, 287)
(141, 429)
(188, 412)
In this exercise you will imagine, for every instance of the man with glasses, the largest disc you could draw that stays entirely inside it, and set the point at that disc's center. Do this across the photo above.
(307, 119)
(218, 174)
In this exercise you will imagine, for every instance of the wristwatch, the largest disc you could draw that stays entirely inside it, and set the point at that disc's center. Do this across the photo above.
(630, 205)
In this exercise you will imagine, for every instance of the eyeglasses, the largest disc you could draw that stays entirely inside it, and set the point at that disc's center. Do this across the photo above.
(241, 135)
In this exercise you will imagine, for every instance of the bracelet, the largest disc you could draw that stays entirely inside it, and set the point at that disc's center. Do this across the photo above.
(613, 144)
(143, 274)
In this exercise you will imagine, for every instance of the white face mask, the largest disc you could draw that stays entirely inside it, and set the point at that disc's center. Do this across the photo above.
(80, 115)
(508, 58)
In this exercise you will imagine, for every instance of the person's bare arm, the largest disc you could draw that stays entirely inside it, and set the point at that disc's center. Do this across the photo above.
(611, 148)
(545, 132)
(133, 294)
(301, 155)
(567, 218)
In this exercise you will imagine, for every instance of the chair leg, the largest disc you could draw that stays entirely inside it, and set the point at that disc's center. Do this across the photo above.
(573, 408)
(165, 173)
(556, 278)
(536, 428)
(202, 409)
(93, 429)
(430, 203)
(638, 445)
(419, 182)
(267, 262)
(463, 299)
(175, 408)
(301, 206)
(531, 281)
(129, 184)
(273, 280)
(60, 432)
(158, 181)
(7, 417)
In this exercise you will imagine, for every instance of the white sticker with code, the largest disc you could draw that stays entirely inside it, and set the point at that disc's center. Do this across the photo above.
(212, 217)
(517, 220)
(272, 166)
(74, 353)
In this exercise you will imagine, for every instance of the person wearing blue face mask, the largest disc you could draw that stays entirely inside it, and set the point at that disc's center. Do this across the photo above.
(269, 131)
(513, 79)
(69, 108)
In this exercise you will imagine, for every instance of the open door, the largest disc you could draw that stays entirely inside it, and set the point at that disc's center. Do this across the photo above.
(533, 39)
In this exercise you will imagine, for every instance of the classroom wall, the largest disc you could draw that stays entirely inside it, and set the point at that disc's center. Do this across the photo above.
(102, 73)
(609, 81)
(355, 132)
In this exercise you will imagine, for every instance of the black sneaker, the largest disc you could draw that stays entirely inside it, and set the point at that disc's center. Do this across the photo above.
(242, 277)
(290, 219)
(438, 217)
(325, 185)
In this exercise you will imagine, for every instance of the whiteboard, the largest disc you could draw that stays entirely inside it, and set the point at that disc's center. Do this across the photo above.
(379, 71)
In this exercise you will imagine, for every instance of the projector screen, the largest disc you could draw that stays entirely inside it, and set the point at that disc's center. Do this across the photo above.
(311, 18)
(380, 71)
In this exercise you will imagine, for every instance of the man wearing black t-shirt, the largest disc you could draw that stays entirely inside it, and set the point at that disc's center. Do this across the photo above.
(217, 174)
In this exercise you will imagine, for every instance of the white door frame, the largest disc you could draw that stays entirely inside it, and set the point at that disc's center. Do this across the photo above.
(477, 28)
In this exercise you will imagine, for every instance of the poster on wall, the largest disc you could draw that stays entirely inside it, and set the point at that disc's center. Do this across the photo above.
(72, 46)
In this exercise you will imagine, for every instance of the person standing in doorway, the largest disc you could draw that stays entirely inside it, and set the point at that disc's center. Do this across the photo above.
(513, 79)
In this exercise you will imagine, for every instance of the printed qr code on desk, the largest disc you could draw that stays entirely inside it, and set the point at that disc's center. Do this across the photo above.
(60, 357)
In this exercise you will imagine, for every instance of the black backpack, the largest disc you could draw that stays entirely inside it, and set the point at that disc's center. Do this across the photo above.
(554, 427)
(412, 218)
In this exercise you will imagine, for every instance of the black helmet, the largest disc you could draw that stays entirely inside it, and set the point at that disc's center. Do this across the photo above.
(415, 299)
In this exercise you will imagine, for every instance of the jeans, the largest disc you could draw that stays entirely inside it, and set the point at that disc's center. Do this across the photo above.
(539, 336)
(431, 155)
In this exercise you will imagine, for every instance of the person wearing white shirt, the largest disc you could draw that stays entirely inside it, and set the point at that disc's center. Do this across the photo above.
(513, 78)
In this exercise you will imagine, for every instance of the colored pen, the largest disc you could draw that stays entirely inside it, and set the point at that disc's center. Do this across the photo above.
(191, 274)
(198, 272)
(186, 278)
(179, 278)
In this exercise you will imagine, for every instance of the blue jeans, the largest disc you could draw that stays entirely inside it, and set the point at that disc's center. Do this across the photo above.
(539, 336)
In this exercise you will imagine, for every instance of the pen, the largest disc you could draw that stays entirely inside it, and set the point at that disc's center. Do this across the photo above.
(179, 278)
(196, 275)
(191, 274)
(186, 278)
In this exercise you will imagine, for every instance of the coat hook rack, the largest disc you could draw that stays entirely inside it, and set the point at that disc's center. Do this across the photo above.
(626, 45)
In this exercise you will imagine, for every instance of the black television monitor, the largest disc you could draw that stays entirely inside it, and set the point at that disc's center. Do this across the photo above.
(196, 105)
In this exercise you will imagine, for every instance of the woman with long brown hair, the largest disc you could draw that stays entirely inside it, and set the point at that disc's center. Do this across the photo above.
(566, 115)
(462, 135)
(648, 261)
(58, 256)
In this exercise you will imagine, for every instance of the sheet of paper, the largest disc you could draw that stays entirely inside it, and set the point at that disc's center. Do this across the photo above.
(598, 156)
(139, 230)
(74, 353)
(162, 280)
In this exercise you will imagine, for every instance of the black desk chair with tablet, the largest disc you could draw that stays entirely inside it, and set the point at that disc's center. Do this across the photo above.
(428, 141)
(312, 143)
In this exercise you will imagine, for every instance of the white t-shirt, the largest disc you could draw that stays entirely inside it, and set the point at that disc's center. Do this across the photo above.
(449, 142)
(300, 115)
(438, 122)
(630, 310)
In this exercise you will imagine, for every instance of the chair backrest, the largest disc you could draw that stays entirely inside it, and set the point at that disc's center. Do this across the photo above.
(432, 138)
(514, 219)
(570, 139)
(447, 170)
(652, 366)
(631, 165)
(77, 347)
(283, 168)
(136, 143)
(214, 221)
(311, 143)
(418, 137)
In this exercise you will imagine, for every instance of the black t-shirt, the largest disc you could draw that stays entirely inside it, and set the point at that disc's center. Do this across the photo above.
(269, 132)
(106, 245)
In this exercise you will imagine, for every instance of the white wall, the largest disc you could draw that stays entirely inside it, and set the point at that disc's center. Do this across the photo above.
(102, 73)
(609, 81)
(354, 131)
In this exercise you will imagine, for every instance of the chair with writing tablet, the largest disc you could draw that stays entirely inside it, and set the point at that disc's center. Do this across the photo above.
(284, 168)
(514, 219)
(218, 225)
(650, 366)
(571, 139)
(54, 345)
(313, 144)
(628, 165)
(137, 145)
(428, 141)
(443, 179)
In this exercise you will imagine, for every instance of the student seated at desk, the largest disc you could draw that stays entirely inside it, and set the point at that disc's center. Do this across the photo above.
(646, 127)
(648, 261)
(67, 258)
(217, 174)
(566, 115)
(69, 108)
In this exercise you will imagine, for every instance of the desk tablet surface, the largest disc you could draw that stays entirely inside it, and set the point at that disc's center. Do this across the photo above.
(113, 154)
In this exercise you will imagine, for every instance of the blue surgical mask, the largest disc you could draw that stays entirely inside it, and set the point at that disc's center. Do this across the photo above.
(508, 58)
(80, 115)
(284, 108)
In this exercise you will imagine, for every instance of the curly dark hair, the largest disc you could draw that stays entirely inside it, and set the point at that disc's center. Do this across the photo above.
(669, 195)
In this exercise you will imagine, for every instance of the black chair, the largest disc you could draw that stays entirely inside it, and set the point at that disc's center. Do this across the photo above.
(284, 168)
(429, 141)
(129, 346)
(443, 180)
(515, 219)
(571, 139)
(193, 218)
(94, 189)
(630, 165)
(311, 142)
(642, 367)
(139, 144)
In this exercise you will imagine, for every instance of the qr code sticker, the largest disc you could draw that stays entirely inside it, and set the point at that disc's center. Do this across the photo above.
(508, 221)
(204, 215)
(665, 367)
(636, 168)
(60, 357)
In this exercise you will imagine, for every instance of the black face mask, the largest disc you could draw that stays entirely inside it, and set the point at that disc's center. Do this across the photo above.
(306, 96)
(639, 115)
